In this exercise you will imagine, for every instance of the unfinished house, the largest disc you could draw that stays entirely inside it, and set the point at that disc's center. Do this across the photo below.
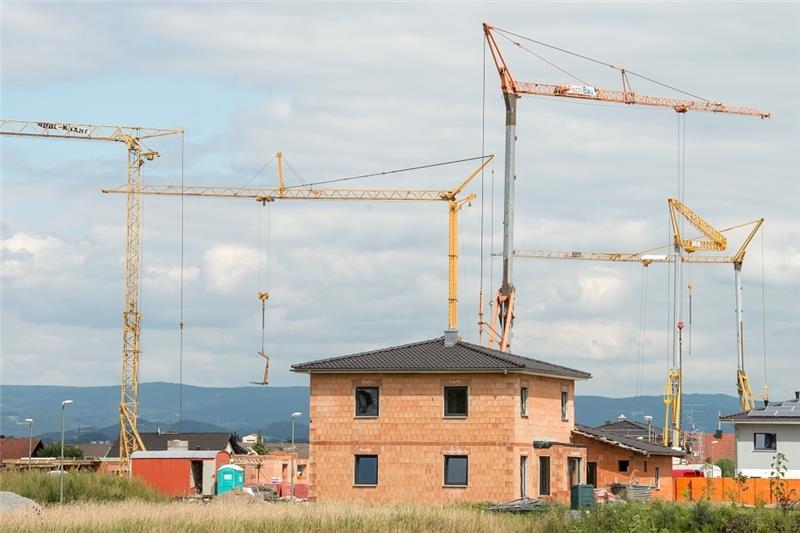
(441, 420)
(613, 458)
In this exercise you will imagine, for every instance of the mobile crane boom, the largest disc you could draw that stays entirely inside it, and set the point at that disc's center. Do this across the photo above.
(710, 239)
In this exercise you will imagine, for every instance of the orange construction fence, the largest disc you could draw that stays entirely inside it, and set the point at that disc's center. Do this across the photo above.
(751, 491)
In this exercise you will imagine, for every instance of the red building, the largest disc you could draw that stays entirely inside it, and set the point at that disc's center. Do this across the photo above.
(13, 449)
(714, 449)
(180, 472)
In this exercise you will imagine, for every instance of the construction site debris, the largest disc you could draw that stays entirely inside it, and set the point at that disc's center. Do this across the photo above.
(520, 505)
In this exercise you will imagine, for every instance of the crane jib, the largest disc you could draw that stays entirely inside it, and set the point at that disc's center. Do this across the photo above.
(63, 127)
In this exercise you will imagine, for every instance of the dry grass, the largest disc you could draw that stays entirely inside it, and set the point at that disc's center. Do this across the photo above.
(230, 516)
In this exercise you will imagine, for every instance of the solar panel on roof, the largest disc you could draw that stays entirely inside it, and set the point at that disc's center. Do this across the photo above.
(767, 411)
(789, 409)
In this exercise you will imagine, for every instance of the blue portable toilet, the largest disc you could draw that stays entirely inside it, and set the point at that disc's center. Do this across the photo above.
(229, 477)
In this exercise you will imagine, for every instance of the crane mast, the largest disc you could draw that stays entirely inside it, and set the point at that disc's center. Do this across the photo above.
(132, 137)
(503, 306)
(134, 189)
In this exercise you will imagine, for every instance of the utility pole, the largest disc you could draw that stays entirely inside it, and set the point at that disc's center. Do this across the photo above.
(61, 465)
(30, 439)
(291, 473)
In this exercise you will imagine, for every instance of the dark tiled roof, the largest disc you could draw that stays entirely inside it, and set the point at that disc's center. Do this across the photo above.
(615, 439)
(154, 442)
(629, 428)
(432, 355)
(300, 447)
(98, 450)
(788, 410)
(11, 448)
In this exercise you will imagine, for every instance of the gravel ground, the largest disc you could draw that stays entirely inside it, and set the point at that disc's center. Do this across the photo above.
(10, 501)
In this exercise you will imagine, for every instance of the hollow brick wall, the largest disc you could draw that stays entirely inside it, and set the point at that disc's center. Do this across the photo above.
(411, 436)
(608, 456)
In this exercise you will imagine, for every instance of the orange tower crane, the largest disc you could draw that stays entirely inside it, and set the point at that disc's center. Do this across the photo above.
(499, 330)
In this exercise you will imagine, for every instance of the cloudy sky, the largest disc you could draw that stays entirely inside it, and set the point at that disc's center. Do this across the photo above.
(346, 89)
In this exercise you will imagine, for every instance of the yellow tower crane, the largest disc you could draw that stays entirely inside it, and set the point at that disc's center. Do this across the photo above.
(131, 137)
(282, 192)
(503, 306)
(138, 154)
(710, 239)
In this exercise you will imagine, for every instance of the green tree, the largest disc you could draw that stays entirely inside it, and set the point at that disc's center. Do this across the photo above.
(259, 447)
(727, 466)
(777, 482)
(54, 450)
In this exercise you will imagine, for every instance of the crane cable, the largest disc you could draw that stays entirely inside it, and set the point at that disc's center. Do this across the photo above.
(181, 324)
(599, 62)
(764, 315)
(642, 338)
(483, 153)
(544, 59)
(387, 172)
(263, 295)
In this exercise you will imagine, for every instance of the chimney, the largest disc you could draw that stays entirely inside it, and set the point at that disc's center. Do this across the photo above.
(450, 337)
(797, 395)
(766, 402)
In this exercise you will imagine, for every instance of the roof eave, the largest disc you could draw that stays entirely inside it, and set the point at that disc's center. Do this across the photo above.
(436, 371)
(647, 453)
(755, 420)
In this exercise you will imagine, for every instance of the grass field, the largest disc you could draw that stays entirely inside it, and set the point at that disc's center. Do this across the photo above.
(78, 486)
(235, 515)
(232, 516)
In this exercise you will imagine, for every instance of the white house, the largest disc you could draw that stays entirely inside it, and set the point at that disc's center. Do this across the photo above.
(250, 439)
(764, 432)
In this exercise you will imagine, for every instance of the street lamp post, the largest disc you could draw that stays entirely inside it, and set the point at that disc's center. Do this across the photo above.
(61, 466)
(291, 474)
(30, 437)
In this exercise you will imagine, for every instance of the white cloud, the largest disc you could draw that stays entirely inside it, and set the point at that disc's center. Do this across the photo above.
(28, 259)
(597, 339)
(226, 267)
(345, 90)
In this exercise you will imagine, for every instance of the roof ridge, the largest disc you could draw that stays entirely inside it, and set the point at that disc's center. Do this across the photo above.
(491, 351)
(621, 439)
(367, 352)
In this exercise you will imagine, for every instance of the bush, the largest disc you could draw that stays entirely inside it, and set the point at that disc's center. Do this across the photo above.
(54, 450)
(78, 486)
(727, 466)
(700, 517)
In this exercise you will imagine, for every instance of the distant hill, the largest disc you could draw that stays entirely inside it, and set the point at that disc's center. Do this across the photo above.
(236, 409)
(109, 433)
(268, 409)
(700, 409)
